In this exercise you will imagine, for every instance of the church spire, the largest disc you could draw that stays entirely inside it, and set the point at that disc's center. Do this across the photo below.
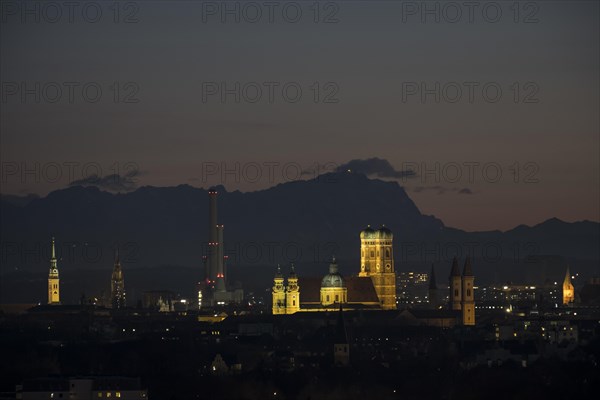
(432, 282)
(455, 271)
(53, 262)
(567, 277)
(568, 288)
(53, 279)
(468, 270)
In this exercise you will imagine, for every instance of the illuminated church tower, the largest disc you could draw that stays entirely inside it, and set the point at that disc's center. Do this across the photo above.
(278, 293)
(292, 293)
(117, 285)
(568, 289)
(455, 286)
(53, 280)
(468, 295)
(377, 262)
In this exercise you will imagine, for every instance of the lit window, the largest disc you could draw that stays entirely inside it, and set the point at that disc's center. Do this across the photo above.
(107, 394)
(99, 394)
(118, 394)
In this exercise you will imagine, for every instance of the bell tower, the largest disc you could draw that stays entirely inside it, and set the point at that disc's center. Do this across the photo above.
(468, 295)
(53, 280)
(455, 286)
(377, 262)
(568, 289)
(292, 295)
(278, 293)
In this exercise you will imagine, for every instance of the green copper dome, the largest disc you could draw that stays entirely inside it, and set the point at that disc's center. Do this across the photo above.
(333, 278)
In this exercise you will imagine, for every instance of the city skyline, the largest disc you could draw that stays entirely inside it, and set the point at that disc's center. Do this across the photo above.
(299, 200)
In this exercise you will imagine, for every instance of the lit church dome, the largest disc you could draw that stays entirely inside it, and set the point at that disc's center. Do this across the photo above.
(334, 278)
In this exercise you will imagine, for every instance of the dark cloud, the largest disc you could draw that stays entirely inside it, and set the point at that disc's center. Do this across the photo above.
(438, 189)
(112, 183)
(442, 190)
(375, 167)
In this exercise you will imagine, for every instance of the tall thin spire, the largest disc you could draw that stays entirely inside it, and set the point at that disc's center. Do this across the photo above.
(455, 270)
(432, 282)
(53, 261)
(567, 276)
(468, 270)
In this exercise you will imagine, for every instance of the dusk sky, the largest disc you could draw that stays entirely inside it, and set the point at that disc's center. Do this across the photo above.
(368, 69)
